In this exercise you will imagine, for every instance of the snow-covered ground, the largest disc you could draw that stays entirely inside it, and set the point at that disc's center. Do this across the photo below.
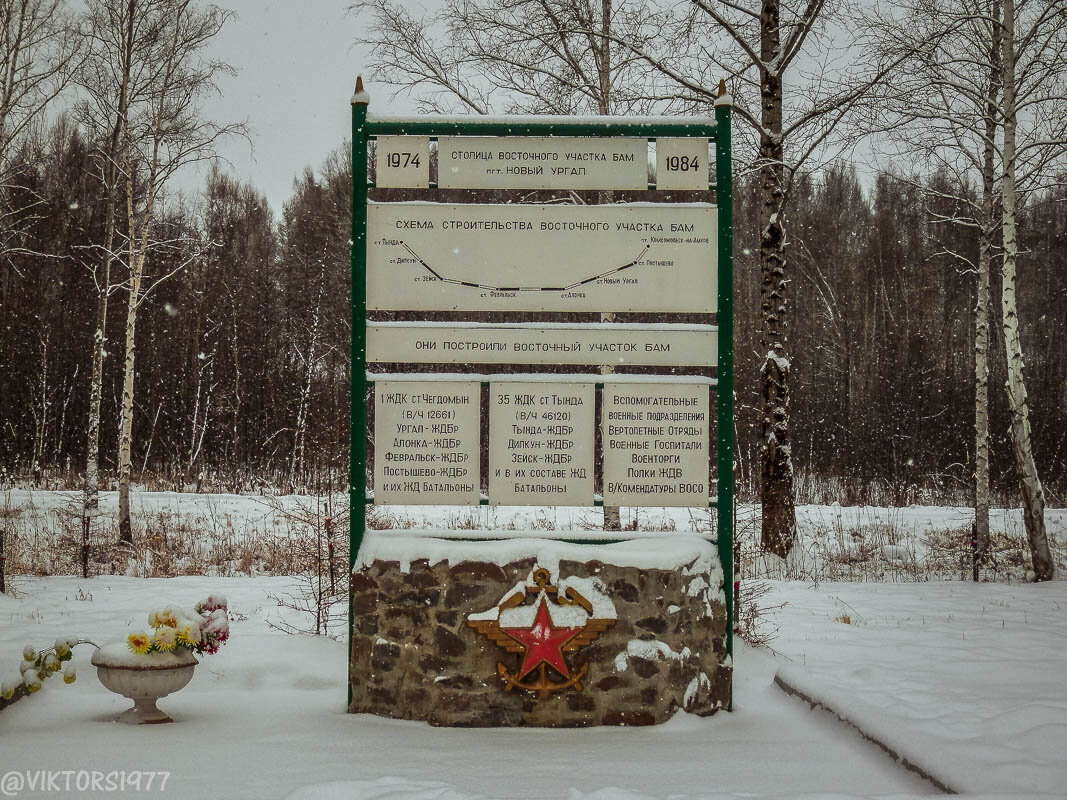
(964, 680)
(969, 681)
(239, 512)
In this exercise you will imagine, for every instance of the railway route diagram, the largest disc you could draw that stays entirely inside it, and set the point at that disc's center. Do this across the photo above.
(605, 274)
(648, 257)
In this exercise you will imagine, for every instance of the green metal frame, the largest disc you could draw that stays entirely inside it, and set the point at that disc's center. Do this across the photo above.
(364, 129)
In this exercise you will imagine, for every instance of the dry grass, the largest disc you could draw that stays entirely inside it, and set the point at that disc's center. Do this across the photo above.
(167, 544)
(207, 541)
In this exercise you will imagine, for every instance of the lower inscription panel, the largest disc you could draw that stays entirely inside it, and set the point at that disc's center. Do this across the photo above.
(656, 444)
(427, 442)
(541, 444)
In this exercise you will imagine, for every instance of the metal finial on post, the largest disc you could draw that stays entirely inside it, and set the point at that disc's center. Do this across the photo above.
(723, 97)
(360, 96)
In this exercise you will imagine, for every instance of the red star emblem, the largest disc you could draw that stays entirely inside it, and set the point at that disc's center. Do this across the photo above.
(543, 642)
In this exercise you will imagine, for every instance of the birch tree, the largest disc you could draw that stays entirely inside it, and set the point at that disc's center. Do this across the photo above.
(1041, 32)
(958, 105)
(946, 109)
(39, 50)
(155, 88)
(105, 80)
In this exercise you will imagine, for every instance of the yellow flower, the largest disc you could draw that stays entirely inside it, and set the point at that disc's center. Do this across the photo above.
(163, 618)
(188, 635)
(138, 643)
(164, 639)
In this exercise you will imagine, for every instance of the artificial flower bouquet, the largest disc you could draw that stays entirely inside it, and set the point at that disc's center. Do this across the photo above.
(201, 630)
(37, 666)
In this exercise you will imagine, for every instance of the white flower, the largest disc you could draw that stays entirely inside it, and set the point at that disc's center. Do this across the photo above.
(70, 674)
(32, 680)
(7, 690)
(29, 653)
(217, 622)
(26, 666)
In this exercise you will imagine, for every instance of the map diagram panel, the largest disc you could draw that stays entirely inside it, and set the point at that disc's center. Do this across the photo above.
(644, 257)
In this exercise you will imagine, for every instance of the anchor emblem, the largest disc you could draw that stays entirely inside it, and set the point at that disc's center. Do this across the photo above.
(540, 635)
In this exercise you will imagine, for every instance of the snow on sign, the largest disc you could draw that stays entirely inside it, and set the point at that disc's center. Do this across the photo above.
(426, 438)
(656, 444)
(541, 444)
(647, 257)
(493, 162)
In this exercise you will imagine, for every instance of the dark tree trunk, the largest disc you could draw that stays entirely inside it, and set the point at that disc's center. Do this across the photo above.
(776, 458)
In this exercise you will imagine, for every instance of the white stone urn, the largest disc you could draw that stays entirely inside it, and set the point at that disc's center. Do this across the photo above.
(143, 678)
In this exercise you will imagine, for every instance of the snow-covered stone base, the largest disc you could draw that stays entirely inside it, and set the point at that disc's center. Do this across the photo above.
(414, 656)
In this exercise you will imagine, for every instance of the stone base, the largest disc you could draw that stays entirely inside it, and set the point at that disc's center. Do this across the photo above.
(414, 657)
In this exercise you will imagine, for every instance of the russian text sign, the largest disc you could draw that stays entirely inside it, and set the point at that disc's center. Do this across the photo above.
(655, 444)
(427, 442)
(491, 162)
(666, 345)
(541, 444)
(637, 257)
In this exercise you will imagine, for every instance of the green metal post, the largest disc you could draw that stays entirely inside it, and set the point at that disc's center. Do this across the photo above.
(357, 467)
(725, 388)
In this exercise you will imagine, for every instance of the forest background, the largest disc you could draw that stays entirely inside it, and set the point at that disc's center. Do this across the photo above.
(242, 366)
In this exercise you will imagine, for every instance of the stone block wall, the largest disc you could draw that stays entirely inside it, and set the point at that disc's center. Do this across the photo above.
(414, 656)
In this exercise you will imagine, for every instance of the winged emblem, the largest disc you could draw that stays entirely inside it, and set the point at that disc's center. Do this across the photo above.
(532, 630)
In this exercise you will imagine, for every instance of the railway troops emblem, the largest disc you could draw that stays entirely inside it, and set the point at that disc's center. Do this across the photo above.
(541, 625)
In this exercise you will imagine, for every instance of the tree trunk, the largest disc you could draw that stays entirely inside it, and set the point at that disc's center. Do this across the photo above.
(138, 253)
(296, 465)
(126, 418)
(91, 500)
(91, 504)
(981, 310)
(776, 458)
(1033, 497)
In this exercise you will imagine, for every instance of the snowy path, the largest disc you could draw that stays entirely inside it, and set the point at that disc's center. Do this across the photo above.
(966, 680)
(265, 718)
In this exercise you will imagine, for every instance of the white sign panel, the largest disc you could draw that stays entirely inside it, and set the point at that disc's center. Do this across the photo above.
(636, 257)
(427, 442)
(656, 444)
(489, 162)
(541, 444)
(682, 164)
(663, 346)
(402, 162)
